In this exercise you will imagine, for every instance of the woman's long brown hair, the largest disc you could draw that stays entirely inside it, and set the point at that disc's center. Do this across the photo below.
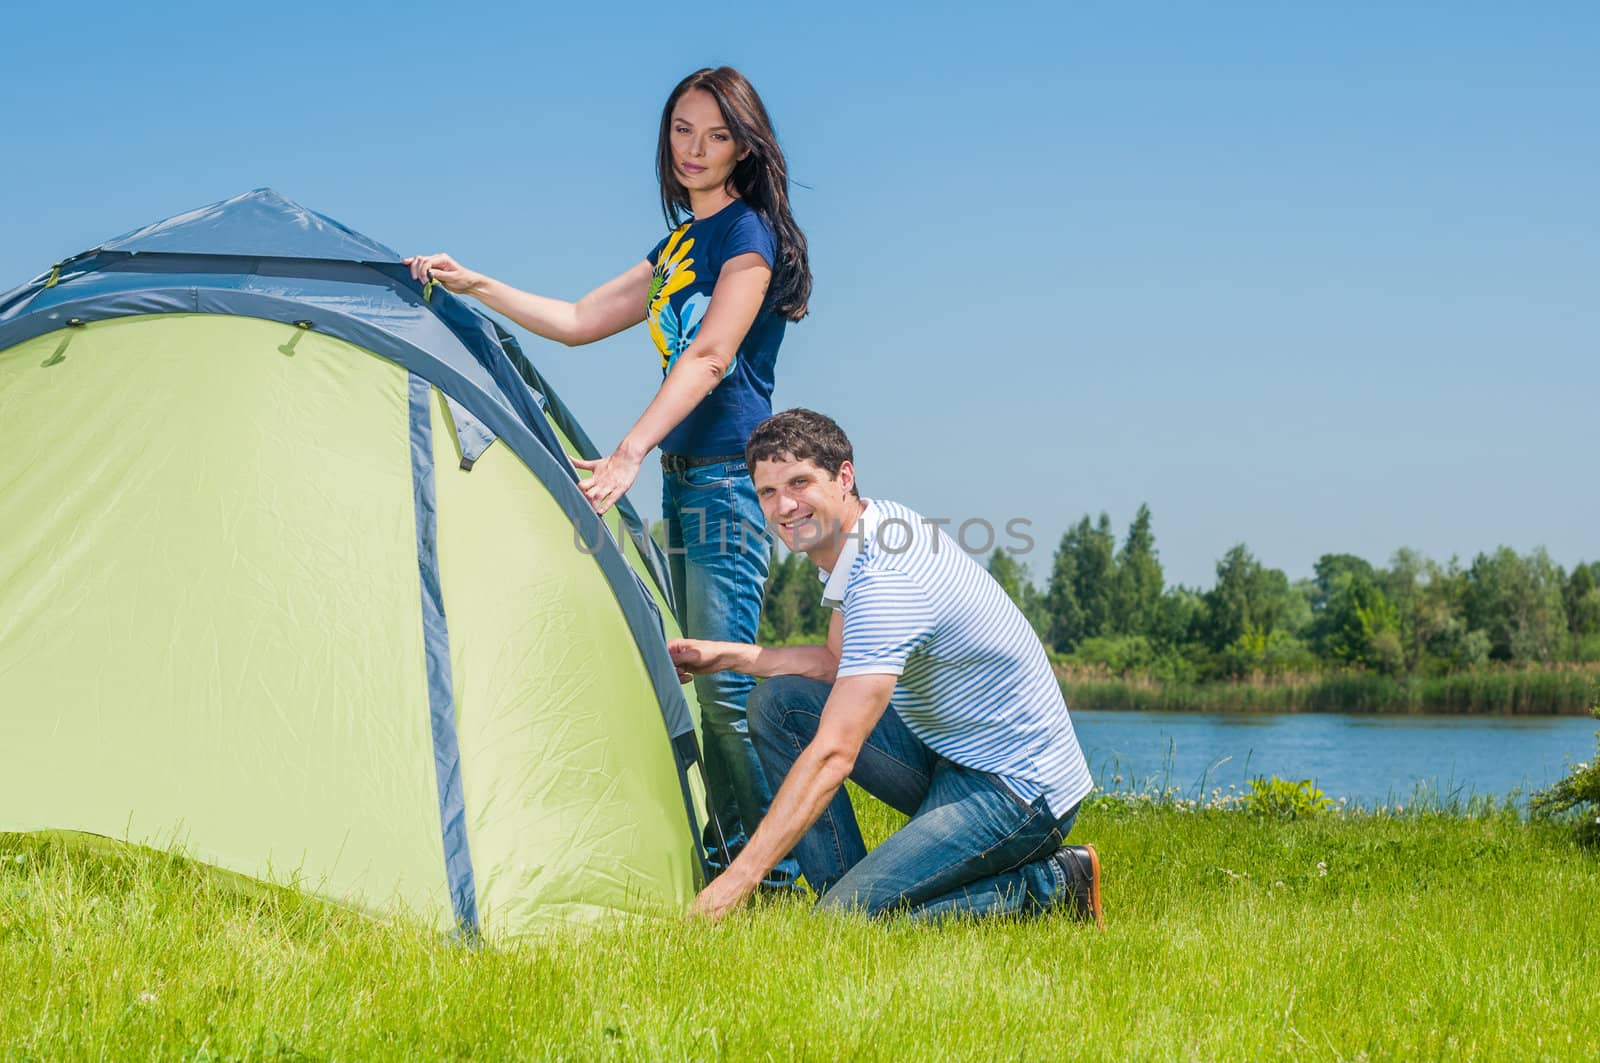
(761, 179)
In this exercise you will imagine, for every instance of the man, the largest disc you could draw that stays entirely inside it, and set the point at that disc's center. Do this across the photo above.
(932, 693)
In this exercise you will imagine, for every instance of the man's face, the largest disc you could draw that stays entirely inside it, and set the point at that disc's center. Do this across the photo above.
(802, 503)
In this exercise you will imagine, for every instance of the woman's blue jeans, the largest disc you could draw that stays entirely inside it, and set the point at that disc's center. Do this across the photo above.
(972, 846)
(718, 556)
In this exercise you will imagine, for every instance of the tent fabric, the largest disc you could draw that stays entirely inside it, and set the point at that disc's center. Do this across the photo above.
(436, 640)
(174, 542)
(309, 300)
(260, 223)
(442, 340)
(383, 306)
(633, 526)
(496, 554)
(111, 280)
(472, 436)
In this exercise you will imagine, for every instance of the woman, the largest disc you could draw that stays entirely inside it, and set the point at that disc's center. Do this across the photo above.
(717, 292)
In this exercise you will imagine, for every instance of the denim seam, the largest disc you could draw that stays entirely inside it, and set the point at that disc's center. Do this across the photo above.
(1026, 806)
(1019, 829)
(1050, 844)
(1058, 874)
(924, 776)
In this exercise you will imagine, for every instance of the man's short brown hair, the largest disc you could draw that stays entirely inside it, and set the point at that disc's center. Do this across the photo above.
(801, 435)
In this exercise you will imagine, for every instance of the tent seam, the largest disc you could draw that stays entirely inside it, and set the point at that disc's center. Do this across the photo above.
(436, 647)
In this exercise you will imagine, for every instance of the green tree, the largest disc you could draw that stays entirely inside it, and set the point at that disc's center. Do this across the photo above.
(1015, 580)
(1353, 621)
(1179, 619)
(1065, 616)
(793, 610)
(1247, 597)
(1097, 574)
(1582, 599)
(1403, 584)
(1517, 602)
(1297, 616)
(1136, 593)
(1082, 581)
(1360, 626)
(1334, 571)
(1437, 636)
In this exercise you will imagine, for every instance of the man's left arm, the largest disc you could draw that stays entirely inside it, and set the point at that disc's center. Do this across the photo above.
(851, 712)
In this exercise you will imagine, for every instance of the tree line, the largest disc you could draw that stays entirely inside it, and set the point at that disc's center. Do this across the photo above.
(1108, 604)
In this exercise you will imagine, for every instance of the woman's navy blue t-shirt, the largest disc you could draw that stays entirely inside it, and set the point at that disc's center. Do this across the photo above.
(687, 264)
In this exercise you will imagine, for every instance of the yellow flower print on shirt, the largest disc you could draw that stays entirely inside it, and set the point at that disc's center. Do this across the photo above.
(673, 330)
(674, 272)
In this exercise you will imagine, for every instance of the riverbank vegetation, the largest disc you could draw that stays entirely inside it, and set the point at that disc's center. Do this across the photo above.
(1489, 689)
(1232, 933)
(1507, 632)
(1575, 799)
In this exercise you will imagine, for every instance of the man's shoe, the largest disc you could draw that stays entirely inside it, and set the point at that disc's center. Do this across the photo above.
(1081, 866)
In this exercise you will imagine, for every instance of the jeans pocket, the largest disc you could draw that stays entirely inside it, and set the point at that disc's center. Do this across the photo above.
(703, 477)
(1038, 806)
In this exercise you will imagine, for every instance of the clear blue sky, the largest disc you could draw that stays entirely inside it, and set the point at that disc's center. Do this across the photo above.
(1314, 280)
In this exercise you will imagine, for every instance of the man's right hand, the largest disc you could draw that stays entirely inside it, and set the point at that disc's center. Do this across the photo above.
(694, 657)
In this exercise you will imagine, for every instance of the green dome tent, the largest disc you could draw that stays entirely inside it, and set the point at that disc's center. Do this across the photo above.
(294, 573)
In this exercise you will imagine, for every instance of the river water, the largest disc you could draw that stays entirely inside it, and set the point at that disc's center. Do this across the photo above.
(1369, 759)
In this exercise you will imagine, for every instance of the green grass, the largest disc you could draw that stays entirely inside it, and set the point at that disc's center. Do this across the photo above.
(1419, 936)
(1566, 690)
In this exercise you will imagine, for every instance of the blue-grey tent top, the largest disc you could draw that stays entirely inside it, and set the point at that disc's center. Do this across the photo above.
(258, 224)
(262, 255)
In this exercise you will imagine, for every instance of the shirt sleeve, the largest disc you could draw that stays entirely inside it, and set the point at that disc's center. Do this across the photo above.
(650, 255)
(750, 233)
(887, 618)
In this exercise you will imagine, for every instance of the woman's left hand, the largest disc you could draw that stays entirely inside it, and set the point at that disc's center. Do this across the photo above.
(611, 480)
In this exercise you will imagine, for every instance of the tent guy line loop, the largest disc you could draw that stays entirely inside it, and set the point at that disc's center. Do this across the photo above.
(60, 354)
(301, 328)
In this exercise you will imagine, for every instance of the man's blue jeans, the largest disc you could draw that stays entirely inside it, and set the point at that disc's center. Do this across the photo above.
(972, 847)
(718, 557)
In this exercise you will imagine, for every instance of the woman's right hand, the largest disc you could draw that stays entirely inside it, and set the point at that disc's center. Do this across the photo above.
(447, 271)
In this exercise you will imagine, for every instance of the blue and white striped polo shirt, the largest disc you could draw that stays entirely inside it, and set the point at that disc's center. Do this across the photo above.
(975, 684)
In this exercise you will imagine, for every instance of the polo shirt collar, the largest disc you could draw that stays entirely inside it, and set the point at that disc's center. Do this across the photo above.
(835, 582)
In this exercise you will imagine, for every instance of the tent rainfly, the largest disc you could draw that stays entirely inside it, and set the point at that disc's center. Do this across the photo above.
(295, 574)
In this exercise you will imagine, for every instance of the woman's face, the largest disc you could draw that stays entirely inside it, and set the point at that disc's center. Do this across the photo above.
(703, 151)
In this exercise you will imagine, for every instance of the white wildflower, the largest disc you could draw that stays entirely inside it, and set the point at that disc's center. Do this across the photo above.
(1322, 869)
(147, 997)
